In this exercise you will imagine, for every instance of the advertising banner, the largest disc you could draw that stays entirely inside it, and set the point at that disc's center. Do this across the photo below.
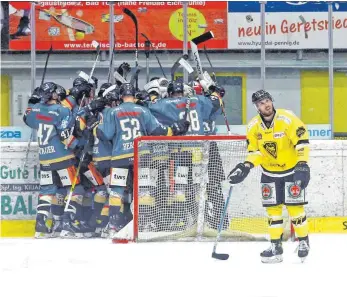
(19, 187)
(74, 25)
(289, 25)
(15, 133)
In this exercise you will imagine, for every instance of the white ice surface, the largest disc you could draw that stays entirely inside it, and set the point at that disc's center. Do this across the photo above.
(62, 267)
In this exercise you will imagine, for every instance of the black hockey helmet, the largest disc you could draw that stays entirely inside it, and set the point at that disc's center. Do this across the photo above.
(79, 81)
(61, 92)
(260, 95)
(47, 90)
(37, 93)
(111, 94)
(175, 86)
(103, 88)
(127, 90)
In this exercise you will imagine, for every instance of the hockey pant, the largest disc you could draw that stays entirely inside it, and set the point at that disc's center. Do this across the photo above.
(279, 191)
(96, 192)
(54, 187)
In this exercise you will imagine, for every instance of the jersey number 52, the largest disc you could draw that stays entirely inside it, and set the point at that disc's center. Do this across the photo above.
(131, 129)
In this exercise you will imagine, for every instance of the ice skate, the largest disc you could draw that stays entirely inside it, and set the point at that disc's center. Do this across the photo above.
(57, 226)
(118, 222)
(273, 254)
(41, 229)
(71, 229)
(303, 249)
(87, 230)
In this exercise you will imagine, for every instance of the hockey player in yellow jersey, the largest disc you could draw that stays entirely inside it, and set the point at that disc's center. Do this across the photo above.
(278, 141)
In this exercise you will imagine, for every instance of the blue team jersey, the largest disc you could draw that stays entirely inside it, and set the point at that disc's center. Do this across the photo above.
(51, 121)
(122, 125)
(211, 116)
(170, 110)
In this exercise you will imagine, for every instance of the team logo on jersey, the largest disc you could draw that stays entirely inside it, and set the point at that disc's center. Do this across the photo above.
(271, 148)
(259, 136)
(266, 191)
(294, 190)
(300, 131)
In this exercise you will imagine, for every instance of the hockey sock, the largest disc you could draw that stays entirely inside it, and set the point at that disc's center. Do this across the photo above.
(299, 220)
(275, 221)
(44, 204)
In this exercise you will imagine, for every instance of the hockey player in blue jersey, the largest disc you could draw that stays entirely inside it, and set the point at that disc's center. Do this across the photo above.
(122, 125)
(57, 164)
(80, 99)
(102, 151)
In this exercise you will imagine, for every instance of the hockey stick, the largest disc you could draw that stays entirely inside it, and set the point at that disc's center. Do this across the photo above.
(97, 45)
(129, 13)
(72, 189)
(155, 54)
(147, 51)
(220, 99)
(194, 46)
(120, 78)
(176, 65)
(45, 69)
(212, 68)
(202, 38)
(135, 77)
(32, 130)
(214, 253)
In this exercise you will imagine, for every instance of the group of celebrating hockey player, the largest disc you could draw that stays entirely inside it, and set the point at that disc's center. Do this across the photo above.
(86, 149)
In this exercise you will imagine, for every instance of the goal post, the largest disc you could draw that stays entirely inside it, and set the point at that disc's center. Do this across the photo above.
(180, 187)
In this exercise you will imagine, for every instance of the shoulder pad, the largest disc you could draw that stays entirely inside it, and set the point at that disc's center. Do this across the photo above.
(253, 122)
(284, 115)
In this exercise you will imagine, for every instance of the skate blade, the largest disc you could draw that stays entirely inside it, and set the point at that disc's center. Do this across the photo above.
(88, 235)
(55, 235)
(302, 259)
(42, 235)
(70, 235)
(272, 260)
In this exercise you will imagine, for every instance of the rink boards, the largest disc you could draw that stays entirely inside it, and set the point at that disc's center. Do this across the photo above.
(327, 192)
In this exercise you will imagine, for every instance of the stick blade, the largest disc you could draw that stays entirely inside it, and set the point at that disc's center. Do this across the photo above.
(202, 38)
(222, 257)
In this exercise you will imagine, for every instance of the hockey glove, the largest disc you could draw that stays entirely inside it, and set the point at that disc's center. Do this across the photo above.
(239, 173)
(95, 105)
(79, 91)
(302, 174)
(124, 69)
(92, 122)
(35, 97)
(180, 128)
(141, 97)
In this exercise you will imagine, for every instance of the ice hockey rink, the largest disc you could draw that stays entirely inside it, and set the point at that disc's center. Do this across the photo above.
(63, 267)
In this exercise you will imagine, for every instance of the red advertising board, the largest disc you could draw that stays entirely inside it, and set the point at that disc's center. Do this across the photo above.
(74, 25)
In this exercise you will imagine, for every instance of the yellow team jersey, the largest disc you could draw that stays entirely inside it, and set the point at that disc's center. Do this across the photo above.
(281, 146)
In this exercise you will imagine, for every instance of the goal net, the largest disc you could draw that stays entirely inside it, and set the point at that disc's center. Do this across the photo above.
(180, 189)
